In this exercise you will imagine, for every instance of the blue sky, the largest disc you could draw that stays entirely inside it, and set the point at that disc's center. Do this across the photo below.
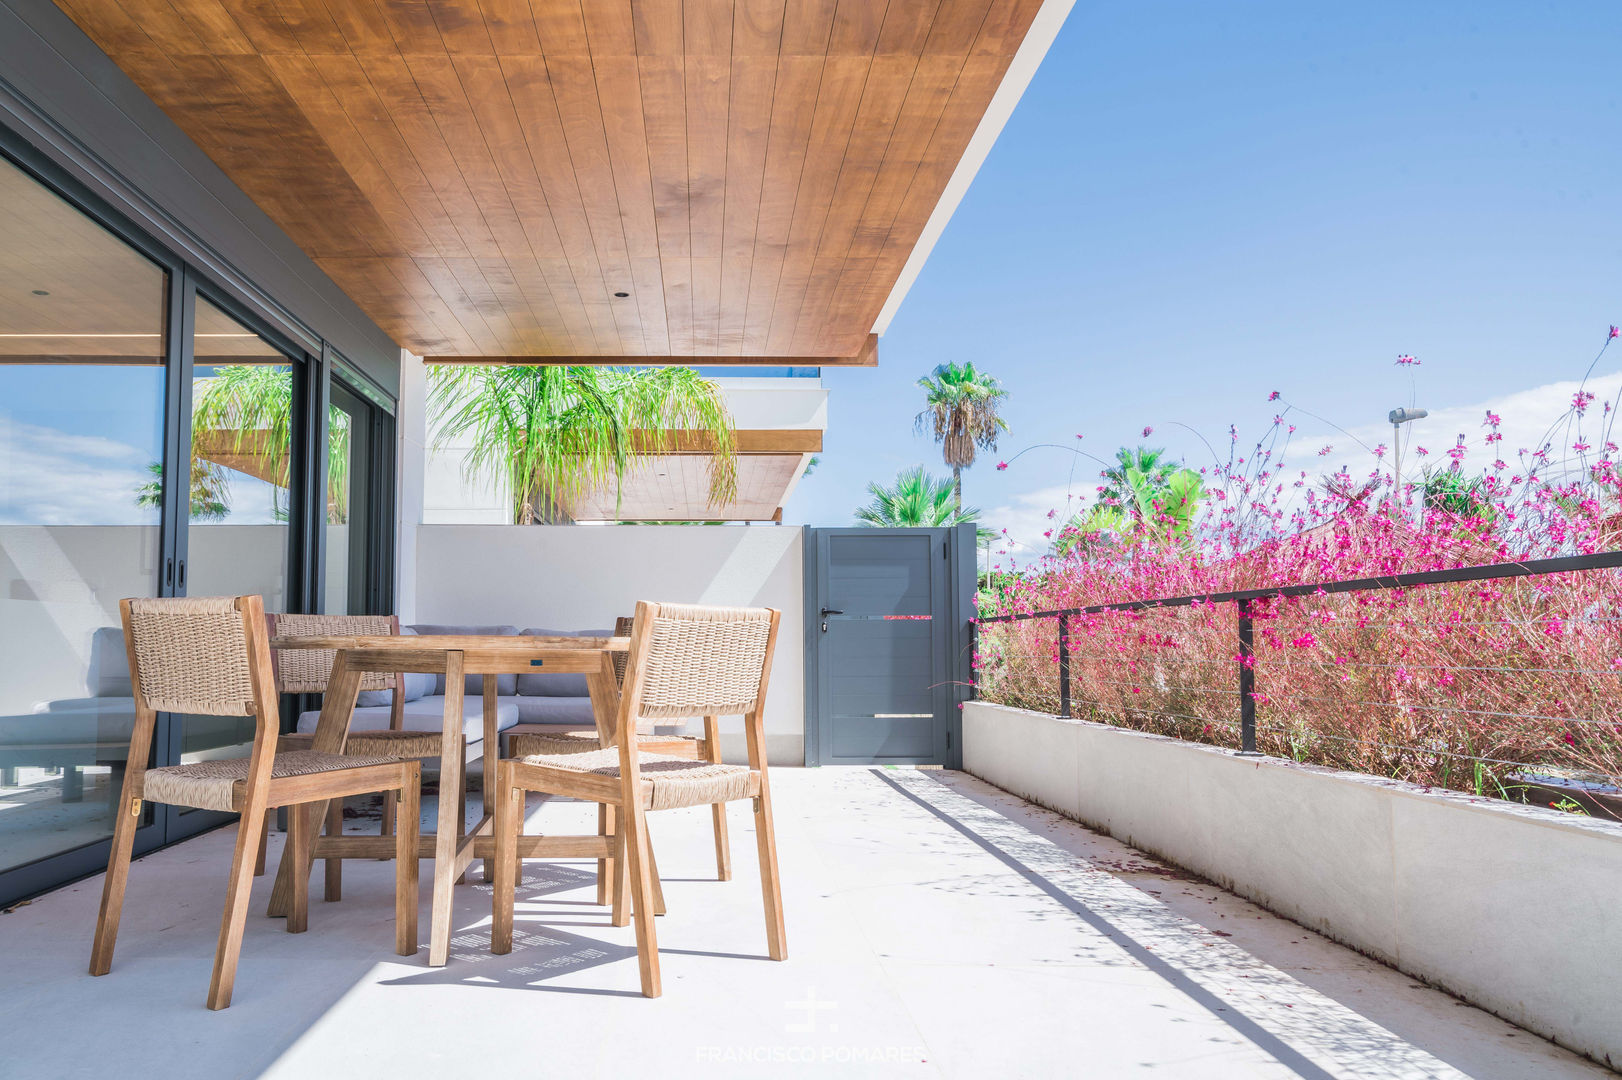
(1196, 204)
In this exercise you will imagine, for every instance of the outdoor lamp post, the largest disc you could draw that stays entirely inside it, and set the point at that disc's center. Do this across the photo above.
(1399, 417)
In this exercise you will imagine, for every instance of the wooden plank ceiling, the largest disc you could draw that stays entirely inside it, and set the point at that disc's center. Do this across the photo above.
(636, 178)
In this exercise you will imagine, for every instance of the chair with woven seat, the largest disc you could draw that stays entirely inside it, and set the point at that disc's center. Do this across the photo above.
(308, 671)
(705, 747)
(684, 661)
(211, 656)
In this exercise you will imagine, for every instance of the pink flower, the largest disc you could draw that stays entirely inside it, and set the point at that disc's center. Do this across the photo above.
(1615, 332)
(1274, 395)
(1325, 451)
(1002, 466)
(1148, 431)
(1405, 360)
(1492, 418)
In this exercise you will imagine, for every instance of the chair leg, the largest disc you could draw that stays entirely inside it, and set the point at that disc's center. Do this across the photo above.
(112, 889)
(389, 799)
(605, 867)
(647, 939)
(334, 887)
(620, 872)
(300, 825)
(235, 918)
(406, 872)
(710, 750)
(509, 820)
(264, 839)
(658, 889)
(771, 887)
(723, 845)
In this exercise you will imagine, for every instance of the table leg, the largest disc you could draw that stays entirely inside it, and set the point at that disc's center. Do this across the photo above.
(447, 835)
(331, 731)
(492, 752)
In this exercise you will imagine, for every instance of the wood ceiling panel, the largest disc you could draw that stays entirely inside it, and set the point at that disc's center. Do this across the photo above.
(484, 177)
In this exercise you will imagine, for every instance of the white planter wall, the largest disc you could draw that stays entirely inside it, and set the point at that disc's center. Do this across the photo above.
(1517, 909)
(575, 577)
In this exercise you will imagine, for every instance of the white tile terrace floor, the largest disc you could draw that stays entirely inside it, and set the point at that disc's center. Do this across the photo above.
(936, 927)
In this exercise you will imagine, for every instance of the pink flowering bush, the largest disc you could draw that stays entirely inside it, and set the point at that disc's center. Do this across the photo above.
(1463, 685)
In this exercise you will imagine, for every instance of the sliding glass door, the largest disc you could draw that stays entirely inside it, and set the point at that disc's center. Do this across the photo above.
(84, 345)
(157, 438)
(241, 505)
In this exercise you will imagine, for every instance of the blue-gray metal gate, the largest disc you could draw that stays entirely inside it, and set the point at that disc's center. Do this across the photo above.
(887, 636)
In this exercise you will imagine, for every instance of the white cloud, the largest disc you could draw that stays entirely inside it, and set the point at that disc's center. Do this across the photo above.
(1032, 513)
(1530, 418)
(50, 477)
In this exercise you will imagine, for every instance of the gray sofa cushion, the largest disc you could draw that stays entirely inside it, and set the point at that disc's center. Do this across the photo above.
(550, 709)
(564, 686)
(425, 714)
(473, 686)
(418, 685)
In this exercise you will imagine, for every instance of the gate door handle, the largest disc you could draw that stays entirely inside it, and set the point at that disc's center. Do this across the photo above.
(827, 611)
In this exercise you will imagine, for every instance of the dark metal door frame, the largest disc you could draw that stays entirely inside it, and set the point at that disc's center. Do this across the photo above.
(953, 584)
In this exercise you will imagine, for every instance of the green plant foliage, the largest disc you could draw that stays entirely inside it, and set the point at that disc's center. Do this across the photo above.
(210, 492)
(1143, 495)
(1452, 492)
(917, 500)
(555, 434)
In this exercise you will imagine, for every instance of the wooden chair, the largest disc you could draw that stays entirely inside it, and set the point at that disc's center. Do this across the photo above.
(210, 656)
(308, 671)
(685, 661)
(705, 747)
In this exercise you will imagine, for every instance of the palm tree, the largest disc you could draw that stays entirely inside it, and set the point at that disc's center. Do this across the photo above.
(247, 410)
(1143, 494)
(1450, 491)
(917, 500)
(960, 406)
(1148, 461)
(558, 433)
(209, 490)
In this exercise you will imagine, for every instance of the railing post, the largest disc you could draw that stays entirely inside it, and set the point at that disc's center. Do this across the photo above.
(974, 658)
(1064, 666)
(1247, 682)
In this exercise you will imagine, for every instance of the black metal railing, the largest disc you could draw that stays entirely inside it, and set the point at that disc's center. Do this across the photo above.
(1244, 599)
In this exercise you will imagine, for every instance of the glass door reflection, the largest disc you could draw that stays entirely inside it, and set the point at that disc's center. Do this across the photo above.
(242, 498)
(83, 345)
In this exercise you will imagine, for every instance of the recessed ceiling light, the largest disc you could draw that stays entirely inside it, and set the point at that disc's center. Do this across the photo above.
(42, 292)
(622, 295)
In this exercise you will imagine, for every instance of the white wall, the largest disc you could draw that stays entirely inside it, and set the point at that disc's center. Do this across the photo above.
(1511, 907)
(59, 584)
(575, 577)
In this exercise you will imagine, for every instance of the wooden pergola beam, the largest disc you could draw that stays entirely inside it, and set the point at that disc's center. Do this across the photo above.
(868, 356)
(747, 440)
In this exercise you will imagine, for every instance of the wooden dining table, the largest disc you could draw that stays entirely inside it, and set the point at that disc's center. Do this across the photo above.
(455, 656)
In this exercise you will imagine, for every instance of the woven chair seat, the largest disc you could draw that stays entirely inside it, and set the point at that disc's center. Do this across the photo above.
(222, 785)
(580, 742)
(667, 782)
(390, 744)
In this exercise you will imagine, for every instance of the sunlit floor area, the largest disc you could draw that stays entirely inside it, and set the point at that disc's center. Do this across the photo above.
(936, 927)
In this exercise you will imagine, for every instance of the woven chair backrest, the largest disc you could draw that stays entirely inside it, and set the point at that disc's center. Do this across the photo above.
(622, 628)
(702, 661)
(192, 655)
(307, 671)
